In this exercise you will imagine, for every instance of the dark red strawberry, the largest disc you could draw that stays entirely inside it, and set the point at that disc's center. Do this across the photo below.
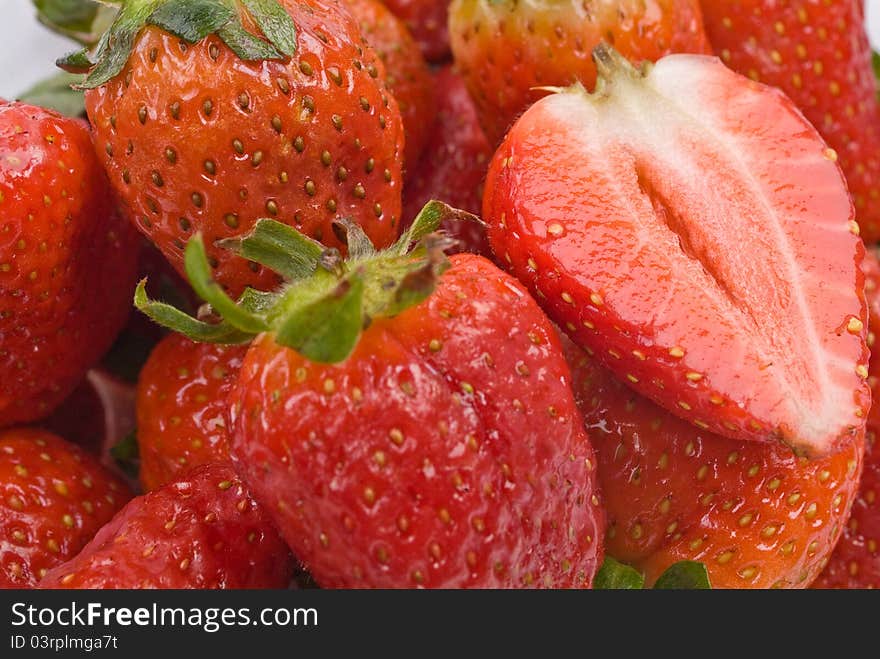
(855, 562)
(403, 438)
(508, 50)
(211, 135)
(426, 19)
(203, 531)
(689, 227)
(67, 261)
(181, 407)
(53, 498)
(755, 514)
(454, 163)
(407, 75)
(820, 56)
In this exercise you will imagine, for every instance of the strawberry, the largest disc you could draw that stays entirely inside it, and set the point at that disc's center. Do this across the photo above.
(454, 163)
(507, 50)
(401, 437)
(855, 562)
(53, 498)
(818, 54)
(66, 266)
(202, 530)
(755, 514)
(705, 252)
(181, 407)
(208, 127)
(427, 21)
(407, 75)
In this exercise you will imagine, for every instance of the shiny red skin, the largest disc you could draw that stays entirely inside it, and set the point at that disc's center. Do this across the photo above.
(506, 49)
(610, 236)
(67, 261)
(445, 452)
(407, 75)
(755, 515)
(283, 138)
(202, 531)
(454, 163)
(855, 562)
(181, 407)
(427, 21)
(54, 498)
(819, 54)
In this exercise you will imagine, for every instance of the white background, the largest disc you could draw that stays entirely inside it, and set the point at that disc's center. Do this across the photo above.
(27, 51)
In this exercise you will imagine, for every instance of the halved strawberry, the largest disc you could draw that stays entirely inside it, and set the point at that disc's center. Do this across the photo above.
(693, 230)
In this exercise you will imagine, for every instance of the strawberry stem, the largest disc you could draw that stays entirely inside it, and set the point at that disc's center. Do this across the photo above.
(325, 303)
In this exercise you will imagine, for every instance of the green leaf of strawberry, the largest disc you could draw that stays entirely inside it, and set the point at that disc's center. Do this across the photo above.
(684, 575)
(57, 93)
(614, 575)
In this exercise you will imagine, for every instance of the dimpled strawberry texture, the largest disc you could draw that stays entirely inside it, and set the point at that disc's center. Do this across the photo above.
(818, 53)
(201, 531)
(53, 499)
(855, 562)
(756, 515)
(445, 452)
(181, 407)
(305, 141)
(66, 266)
(427, 20)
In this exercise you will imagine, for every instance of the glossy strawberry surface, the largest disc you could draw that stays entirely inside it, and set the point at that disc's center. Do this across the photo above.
(66, 264)
(690, 228)
(53, 498)
(181, 407)
(200, 531)
(427, 20)
(818, 53)
(195, 139)
(508, 49)
(446, 451)
(756, 515)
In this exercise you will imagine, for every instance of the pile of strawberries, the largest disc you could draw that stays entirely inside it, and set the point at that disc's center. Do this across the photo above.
(488, 295)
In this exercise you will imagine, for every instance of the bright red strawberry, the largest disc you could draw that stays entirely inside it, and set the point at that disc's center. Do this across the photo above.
(818, 54)
(181, 407)
(506, 49)
(855, 562)
(67, 261)
(710, 262)
(427, 21)
(411, 438)
(198, 137)
(755, 514)
(407, 74)
(203, 531)
(454, 163)
(53, 498)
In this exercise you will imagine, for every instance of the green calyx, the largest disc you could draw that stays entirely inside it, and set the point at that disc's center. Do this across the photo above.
(191, 21)
(684, 575)
(326, 301)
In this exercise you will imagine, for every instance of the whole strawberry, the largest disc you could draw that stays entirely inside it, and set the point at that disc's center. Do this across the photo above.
(855, 562)
(508, 50)
(181, 407)
(406, 438)
(756, 515)
(427, 20)
(67, 260)
(454, 163)
(278, 111)
(818, 53)
(712, 264)
(407, 77)
(202, 531)
(53, 498)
